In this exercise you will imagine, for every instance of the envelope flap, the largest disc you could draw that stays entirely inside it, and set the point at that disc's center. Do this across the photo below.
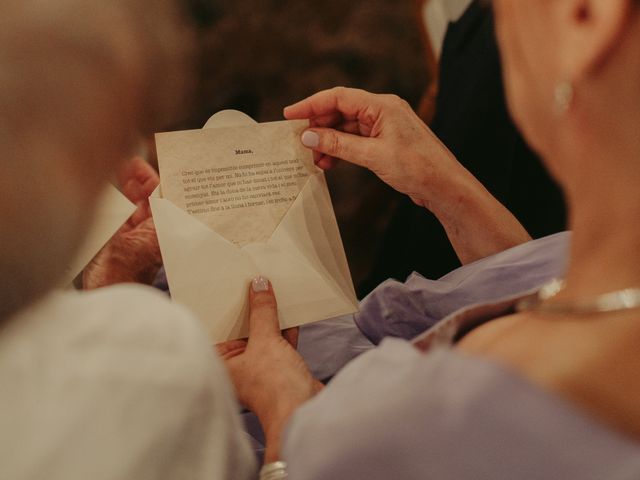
(177, 223)
(229, 118)
(310, 228)
(202, 266)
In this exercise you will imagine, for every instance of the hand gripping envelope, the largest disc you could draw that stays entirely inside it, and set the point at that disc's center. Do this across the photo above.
(208, 270)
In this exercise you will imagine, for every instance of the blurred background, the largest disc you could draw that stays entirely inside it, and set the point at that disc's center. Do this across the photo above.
(259, 56)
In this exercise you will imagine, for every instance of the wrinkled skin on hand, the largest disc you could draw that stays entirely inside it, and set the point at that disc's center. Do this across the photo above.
(384, 135)
(381, 133)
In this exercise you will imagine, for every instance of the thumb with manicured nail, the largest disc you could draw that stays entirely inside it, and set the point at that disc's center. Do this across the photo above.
(336, 144)
(263, 309)
(311, 139)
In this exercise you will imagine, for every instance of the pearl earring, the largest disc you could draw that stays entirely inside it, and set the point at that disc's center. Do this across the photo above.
(564, 96)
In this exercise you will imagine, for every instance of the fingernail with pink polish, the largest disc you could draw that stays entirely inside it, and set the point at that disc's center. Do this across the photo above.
(260, 284)
(310, 139)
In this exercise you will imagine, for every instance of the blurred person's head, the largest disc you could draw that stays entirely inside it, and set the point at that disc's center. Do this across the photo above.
(80, 82)
(572, 73)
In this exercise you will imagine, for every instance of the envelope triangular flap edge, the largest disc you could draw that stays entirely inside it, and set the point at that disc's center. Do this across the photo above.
(310, 227)
(210, 267)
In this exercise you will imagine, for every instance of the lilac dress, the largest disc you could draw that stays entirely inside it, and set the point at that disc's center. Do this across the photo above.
(397, 413)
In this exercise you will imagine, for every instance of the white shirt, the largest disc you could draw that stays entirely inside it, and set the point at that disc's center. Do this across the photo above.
(437, 16)
(115, 384)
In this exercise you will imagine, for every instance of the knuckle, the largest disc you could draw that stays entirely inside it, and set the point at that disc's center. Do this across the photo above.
(396, 100)
(335, 146)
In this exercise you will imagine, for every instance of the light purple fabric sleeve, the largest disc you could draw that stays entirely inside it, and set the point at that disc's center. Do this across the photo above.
(396, 413)
(328, 346)
(404, 310)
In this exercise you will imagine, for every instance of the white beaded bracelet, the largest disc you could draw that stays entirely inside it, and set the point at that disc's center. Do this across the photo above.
(274, 471)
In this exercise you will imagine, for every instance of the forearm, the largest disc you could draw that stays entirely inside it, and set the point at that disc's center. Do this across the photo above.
(477, 224)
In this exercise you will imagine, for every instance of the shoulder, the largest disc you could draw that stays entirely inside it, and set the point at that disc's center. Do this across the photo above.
(128, 330)
(129, 333)
(120, 377)
(102, 316)
(397, 413)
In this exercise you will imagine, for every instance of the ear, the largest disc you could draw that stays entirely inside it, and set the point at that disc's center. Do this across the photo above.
(593, 29)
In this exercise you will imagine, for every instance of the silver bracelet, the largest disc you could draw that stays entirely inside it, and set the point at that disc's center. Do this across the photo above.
(274, 471)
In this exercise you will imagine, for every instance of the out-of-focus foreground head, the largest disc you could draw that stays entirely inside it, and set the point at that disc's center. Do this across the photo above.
(80, 81)
(572, 71)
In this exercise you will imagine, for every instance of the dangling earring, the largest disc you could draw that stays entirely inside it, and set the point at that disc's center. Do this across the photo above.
(564, 95)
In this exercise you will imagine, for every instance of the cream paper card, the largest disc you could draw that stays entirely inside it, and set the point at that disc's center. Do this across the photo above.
(237, 200)
(112, 211)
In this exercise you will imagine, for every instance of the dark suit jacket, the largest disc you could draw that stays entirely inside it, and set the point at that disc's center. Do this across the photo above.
(473, 121)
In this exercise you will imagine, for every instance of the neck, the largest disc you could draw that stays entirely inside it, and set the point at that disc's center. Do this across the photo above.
(605, 219)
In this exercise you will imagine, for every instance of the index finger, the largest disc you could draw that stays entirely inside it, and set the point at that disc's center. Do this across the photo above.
(349, 102)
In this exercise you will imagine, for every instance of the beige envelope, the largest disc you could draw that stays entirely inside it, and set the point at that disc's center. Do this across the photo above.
(112, 211)
(304, 259)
